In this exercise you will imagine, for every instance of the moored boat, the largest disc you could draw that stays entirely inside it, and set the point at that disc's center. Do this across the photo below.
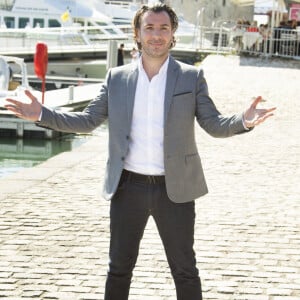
(71, 29)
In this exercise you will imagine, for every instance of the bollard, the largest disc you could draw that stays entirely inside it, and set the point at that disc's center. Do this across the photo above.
(112, 54)
(71, 94)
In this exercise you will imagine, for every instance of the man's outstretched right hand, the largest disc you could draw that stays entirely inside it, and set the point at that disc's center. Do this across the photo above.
(29, 111)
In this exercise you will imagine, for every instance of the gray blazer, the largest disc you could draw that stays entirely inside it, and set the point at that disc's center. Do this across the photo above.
(186, 100)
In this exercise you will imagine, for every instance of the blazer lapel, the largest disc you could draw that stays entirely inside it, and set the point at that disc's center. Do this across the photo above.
(172, 75)
(131, 87)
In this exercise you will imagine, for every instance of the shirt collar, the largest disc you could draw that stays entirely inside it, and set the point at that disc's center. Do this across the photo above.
(163, 69)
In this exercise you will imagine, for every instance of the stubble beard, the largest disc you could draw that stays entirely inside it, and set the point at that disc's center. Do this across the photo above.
(156, 53)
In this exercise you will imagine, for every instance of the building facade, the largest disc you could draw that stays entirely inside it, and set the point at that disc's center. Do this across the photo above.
(202, 12)
(211, 12)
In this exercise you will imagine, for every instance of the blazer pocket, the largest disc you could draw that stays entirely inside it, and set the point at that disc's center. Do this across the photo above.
(183, 94)
(191, 158)
(193, 168)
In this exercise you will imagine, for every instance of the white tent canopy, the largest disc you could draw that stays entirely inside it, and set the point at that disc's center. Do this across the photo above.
(252, 2)
(278, 7)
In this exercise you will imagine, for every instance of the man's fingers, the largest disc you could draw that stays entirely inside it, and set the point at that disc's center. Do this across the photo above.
(262, 119)
(265, 111)
(14, 102)
(256, 101)
(16, 110)
(271, 109)
(19, 103)
(11, 107)
(30, 96)
(28, 111)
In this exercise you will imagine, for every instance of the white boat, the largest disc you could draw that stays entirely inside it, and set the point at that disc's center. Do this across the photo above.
(68, 27)
(8, 66)
(70, 99)
(56, 22)
(122, 14)
(77, 33)
(54, 13)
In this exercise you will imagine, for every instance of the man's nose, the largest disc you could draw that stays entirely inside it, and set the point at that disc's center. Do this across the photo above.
(156, 33)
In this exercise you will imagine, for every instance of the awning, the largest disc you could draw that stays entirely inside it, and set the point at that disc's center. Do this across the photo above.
(278, 7)
(243, 2)
(252, 2)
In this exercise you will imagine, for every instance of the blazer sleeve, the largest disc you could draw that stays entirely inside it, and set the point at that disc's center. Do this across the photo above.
(208, 116)
(80, 122)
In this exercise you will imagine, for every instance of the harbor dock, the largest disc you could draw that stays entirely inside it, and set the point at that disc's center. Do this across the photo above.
(54, 227)
(73, 98)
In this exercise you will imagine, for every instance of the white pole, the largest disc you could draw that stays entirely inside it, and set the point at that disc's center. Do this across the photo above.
(112, 54)
(272, 27)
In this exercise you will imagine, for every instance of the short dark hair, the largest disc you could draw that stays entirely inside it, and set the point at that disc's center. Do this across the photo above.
(156, 8)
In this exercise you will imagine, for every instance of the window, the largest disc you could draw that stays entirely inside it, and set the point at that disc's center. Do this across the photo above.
(78, 21)
(111, 31)
(101, 23)
(23, 22)
(53, 23)
(38, 23)
(9, 22)
(95, 31)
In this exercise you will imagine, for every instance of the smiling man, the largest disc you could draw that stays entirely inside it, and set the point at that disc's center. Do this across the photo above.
(153, 168)
(155, 35)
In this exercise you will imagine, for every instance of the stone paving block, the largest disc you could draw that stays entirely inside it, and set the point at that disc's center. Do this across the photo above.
(90, 296)
(253, 297)
(59, 296)
(33, 294)
(282, 297)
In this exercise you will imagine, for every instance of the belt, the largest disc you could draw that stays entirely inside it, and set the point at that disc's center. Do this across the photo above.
(136, 177)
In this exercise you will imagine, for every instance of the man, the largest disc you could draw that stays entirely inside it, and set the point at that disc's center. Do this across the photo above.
(120, 61)
(154, 167)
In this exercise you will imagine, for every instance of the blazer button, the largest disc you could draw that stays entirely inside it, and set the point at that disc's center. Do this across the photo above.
(127, 137)
(122, 158)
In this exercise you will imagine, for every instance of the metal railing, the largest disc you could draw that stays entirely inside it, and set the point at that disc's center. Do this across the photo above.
(89, 37)
(218, 39)
(278, 42)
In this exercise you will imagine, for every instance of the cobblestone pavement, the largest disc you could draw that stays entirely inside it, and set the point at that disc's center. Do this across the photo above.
(54, 226)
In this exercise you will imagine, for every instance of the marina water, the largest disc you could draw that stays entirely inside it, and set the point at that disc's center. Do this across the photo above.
(17, 154)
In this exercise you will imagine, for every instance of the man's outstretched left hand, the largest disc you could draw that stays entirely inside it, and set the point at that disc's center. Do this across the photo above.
(253, 116)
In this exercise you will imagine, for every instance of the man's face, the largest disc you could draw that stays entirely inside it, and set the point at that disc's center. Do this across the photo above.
(155, 34)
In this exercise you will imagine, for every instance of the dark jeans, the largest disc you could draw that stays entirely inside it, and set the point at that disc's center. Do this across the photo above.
(130, 209)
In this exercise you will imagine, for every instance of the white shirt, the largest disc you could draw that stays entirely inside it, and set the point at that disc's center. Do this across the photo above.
(146, 155)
